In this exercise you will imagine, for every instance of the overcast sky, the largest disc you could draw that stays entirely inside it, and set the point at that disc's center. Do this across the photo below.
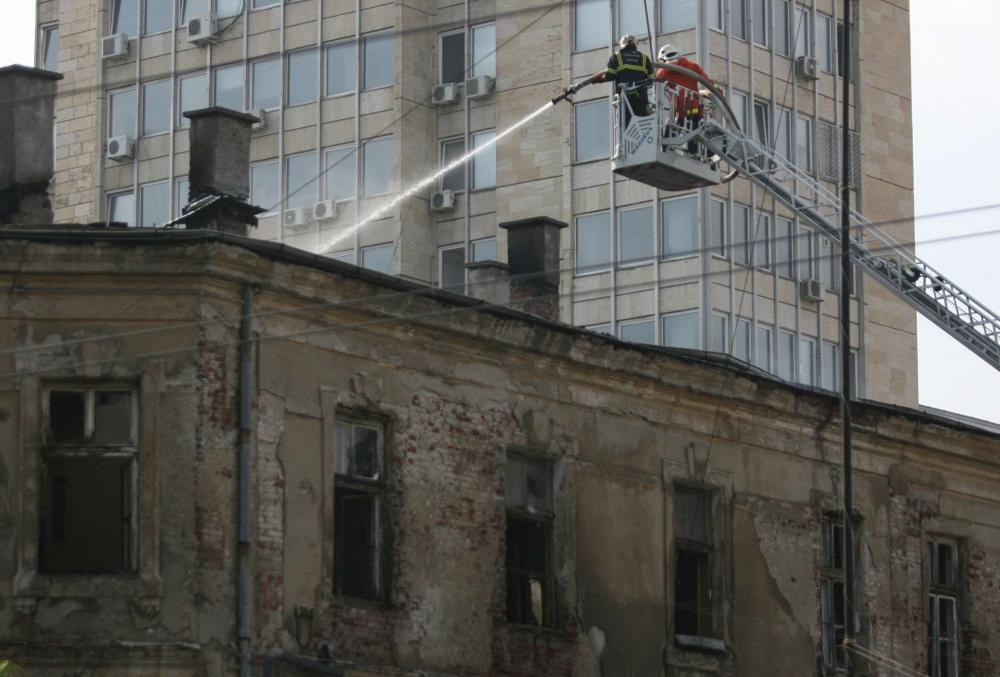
(956, 101)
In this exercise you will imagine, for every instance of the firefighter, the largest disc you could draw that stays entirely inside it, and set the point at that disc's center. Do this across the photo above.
(631, 69)
(687, 102)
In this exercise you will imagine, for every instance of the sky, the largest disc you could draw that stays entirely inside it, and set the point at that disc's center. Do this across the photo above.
(956, 101)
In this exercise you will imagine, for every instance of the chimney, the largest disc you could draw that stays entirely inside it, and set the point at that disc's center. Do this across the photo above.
(27, 115)
(219, 174)
(533, 258)
(489, 281)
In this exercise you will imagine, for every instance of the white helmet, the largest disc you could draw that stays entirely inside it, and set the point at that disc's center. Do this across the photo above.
(627, 39)
(668, 53)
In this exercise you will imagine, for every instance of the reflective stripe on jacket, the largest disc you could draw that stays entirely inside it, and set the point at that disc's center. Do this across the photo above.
(629, 66)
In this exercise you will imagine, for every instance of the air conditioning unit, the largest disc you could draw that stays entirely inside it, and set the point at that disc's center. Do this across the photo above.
(442, 95)
(477, 88)
(261, 119)
(806, 68)
(811, 290)
(114, 46)
(442, 200)
(120, 148)
(325, 209)
(201, 30)
(295, 217)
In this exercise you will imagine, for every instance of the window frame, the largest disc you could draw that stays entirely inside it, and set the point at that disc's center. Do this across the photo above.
(375, 35)
(113, 15)
(375, 489)
(45, 33)
(937, 591)
(441, 61)
(351, 149)
(473, 68)
(457, 289)
(214, 84)
(768, 346)
(474, 138)
(831, 576)
(111, 195)
(291, 55)
(144, 108)
(286, 194)
(721, 250)
(695, 228)
(806, 361)
(620, 262)
(577, 160)
(543, 519)
(278, 188)
(443, 159)
(144, 18)
(765, 5)
(392, 168)
(651, 320)
(142, 201)
(763, 258)
(112, 93)
(599, 268)
(379, 246)
(251, 94)
(329, 47)
(713, 551)
(182, 122)
(696, 314)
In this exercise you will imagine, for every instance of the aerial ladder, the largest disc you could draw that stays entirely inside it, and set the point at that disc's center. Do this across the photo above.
(654, 149)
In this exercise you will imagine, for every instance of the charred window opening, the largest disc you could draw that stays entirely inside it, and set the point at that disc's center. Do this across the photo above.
(693, 566)
(942, 571)
(530, 589)
(832, 613)
(359, 552)
(89, 474)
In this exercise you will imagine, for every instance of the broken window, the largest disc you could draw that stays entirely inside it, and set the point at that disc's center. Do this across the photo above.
(832, 616)
(529, 533)
(693, 547)
(942, 571)
(358, 553)
(89, 470)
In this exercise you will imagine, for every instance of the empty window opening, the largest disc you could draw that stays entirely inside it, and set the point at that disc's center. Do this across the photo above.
(693, 575)
(530, 516)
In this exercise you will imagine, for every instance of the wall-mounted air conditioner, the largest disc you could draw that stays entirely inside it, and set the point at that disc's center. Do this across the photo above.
(295, 217)
(201, 30)
(261, 119)
(806, 68)
(120, 148)
(324, 210)
(479, 87)
(442, 200)
(114, 46)
(811, 290)
(442, 95)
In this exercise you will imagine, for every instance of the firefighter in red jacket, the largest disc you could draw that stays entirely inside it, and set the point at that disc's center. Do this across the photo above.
(687, 102)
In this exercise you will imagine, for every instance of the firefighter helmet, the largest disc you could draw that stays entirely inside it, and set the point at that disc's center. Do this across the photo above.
(668, 53)
(627, 39)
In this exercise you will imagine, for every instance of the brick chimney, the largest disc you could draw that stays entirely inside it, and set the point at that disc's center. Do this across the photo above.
(489, 281)
(219, 174)
(27, 115)
(533, 258)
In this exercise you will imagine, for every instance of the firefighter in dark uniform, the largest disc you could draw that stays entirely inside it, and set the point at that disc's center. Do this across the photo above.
(629, 68)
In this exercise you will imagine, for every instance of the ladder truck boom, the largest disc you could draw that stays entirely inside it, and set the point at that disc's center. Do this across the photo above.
(652, 149)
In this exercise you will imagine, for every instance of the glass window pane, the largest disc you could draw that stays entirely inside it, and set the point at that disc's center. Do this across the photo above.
(112, 417)
(259, 4)
(121, 208)
(378, 163)
(718, 228)
(783, 134)
(593, 242)
(830, 360)
(764, 348)
(786, 355)
(679, 15)
(807, 362)
(226, 8)
(378, 258)
(346, 256)
(300, 180)
(801, 31)
(741, 340)
(453, 57)
(67, 416)
(341, 68)
(154, 204)
(266, 83)
(379, 60)
(803, 143)
(453, 269)
(781, 37)
(824, 46)
(192, 8)
(720, 333)
(485, 249)
(590, 25)
(340, 175)
(451, 151)
(805, 254)
(785, 243)
(536, 486)
(193, 96)
(739, 19)
(122, 113)
(738, 102)
(762, 246)
(156, 107)
(638, 332)
(591, 133)
(181, 188)
(762, 123)
(484, 164)
(680, 330)
(364, 452)
(302, 77)
(484, 60)
(125, 17)
(158, 16)
(264, 190)
(635, 235)
(760, 22)
(679, 226)
(229, 87)
(741, 234)
(50, 48)
(600, 329)
(632, 17)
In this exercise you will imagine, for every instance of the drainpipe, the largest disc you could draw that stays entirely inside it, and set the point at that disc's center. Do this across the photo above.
(243, 509)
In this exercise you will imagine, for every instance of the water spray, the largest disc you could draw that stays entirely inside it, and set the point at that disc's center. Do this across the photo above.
(423, 183)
